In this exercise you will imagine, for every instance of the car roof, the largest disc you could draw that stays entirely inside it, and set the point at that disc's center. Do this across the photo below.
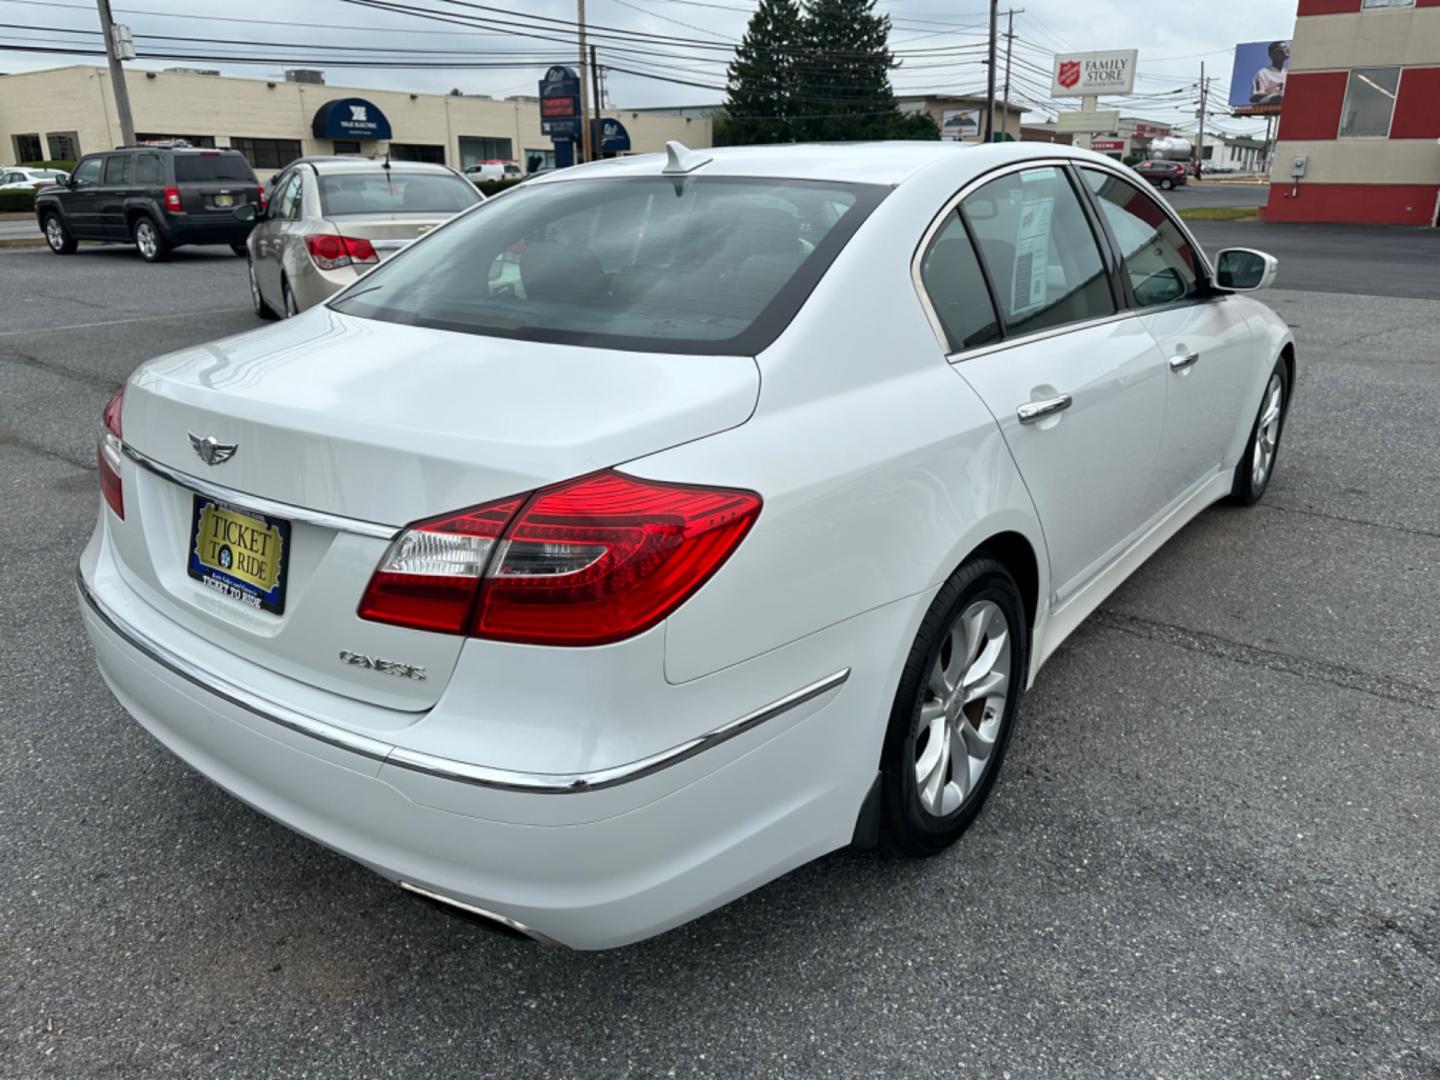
(889, 163)
(364, 165)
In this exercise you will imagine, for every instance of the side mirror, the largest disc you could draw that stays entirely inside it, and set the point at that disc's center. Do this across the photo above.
(1245, 270)
(245, 212)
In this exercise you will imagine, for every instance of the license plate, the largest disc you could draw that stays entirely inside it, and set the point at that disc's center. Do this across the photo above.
(239, 555)
(224, 200)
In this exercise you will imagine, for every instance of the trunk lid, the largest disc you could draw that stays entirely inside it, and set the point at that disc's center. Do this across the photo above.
(387, 233)
(383, 424)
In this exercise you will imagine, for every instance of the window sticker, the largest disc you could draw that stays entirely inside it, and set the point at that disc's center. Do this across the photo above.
(1032, 246)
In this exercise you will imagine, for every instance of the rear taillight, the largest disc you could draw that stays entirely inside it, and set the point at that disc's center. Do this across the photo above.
(172, 199)
(330, 252)
(586, 562)
(107, 454)
(264, 199)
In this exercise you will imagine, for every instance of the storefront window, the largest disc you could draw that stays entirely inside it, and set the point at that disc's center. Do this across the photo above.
(417, 152)
(1368, 4)
(1369, 102)
(347, 146)
(539, 159)
(267, 153)
(475, 148)
(27, 148)
(64, 145)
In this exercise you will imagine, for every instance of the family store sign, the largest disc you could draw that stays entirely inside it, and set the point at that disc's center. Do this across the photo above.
(1088, 74)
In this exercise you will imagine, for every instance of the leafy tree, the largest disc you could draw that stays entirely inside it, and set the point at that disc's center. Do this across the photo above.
(821, 73)
(761, 107)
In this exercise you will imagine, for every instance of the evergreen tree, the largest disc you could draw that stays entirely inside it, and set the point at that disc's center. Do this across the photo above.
(760, 107)
(843, 77)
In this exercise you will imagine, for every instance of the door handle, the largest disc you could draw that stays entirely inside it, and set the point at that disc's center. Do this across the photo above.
(1038, 410)
(1183, 361)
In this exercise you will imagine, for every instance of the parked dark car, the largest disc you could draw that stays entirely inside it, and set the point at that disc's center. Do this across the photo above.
(1164, 174)
(155, 197)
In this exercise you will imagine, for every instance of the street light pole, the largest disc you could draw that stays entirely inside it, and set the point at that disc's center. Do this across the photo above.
(990, 74)
(1200, 139)
(117, 75)
(1009, 45)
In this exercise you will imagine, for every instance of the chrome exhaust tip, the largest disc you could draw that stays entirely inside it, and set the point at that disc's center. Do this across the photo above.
(490, 920)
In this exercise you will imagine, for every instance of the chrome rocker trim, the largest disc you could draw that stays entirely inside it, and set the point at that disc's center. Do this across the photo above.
(260, 505)
(429, 764)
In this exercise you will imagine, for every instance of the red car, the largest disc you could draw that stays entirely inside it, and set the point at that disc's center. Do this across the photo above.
(1165, 174)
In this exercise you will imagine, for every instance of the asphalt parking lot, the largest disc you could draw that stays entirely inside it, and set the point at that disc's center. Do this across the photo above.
(1213, 851)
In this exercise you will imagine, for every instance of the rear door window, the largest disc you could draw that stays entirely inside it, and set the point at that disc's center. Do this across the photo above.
(664, 264)
(203, 167)
(1160, 263)
(950, 272)
(147, 169)
(1039, 249)
(117, 170)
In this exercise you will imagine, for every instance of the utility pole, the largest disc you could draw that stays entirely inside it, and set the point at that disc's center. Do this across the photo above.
(990, 73)
(599, 106)
(1200, 114)
(117, 74)
(1009, 44)
(584, 141)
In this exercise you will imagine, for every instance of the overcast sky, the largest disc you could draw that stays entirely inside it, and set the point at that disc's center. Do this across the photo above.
(1173, 40)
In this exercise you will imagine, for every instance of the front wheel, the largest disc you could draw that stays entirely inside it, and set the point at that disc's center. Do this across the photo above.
(150, 241)
(954, 710)
(58, 236)
(1257, 464)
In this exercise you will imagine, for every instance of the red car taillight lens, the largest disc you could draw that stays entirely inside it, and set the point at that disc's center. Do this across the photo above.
(172, 199)
(587, 562)
(330, 252)
(107, 454)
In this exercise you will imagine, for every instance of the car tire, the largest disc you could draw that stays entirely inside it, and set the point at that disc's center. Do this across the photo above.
(288, 298)
(241, 250)
(58, 237)
(1257, 465)
(1167, 184)
(149, 240)
(257, 301)
(974, 643)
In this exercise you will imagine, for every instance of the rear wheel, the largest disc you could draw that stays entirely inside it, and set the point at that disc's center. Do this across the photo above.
(58, 236)
(1257, 464)
(1167, 184)
(954, 710)
(262, 309)
(289, 298)
(150, 241)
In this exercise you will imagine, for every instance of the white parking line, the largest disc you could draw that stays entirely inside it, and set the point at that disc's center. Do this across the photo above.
(121, 322)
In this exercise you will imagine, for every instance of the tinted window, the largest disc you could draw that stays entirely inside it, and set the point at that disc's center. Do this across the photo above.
(290, 201)
(202, 166)
(950, 272)
(117, 169)
(395, 192)
(700, 265)
(1039, 249)
(147, 169)
(1160, 263)
(88, 171)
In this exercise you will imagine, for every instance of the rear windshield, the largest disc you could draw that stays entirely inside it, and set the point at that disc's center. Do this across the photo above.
(212, 167)
(659, 264)
(395, 192)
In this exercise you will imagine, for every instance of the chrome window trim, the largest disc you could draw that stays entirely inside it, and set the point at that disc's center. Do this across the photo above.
(430, 764)
(953, 203)
(259, 504)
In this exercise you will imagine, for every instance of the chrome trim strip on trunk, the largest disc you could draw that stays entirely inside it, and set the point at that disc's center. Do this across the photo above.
(261, 505)
(430, 764)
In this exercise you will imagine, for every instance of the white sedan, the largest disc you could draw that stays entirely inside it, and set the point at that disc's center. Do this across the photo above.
(18, 179)
(665, 523)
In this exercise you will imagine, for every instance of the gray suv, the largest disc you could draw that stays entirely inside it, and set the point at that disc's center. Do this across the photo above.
(156, 197)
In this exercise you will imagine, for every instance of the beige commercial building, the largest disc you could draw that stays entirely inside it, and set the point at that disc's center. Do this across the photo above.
(63, 113)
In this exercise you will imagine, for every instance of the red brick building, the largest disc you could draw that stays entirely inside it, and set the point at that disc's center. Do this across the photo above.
(1362, 107)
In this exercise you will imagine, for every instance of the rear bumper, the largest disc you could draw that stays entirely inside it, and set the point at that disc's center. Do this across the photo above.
(180, 230)
(586, 867)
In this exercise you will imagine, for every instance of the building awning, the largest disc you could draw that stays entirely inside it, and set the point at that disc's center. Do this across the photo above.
(350, 118)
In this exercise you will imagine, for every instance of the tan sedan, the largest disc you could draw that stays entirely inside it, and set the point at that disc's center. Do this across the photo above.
(330, 220)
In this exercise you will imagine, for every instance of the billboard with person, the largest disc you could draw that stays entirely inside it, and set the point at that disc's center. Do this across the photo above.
(1257, 82)
(960, 124)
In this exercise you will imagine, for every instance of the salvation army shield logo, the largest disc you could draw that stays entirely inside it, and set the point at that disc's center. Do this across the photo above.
(1069, 73)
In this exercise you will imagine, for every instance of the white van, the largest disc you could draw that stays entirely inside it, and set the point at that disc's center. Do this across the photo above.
(493, 170)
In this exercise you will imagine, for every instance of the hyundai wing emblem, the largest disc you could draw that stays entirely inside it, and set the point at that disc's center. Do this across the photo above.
(211, 450)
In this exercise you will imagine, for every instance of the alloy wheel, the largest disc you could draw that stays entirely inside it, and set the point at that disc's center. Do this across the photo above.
(145, 239)
(54, 233)
(961, 708)
(290, 308)
(1267, 433)
(255, 291)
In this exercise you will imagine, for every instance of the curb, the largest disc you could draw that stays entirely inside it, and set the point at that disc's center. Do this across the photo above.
(21, 242)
